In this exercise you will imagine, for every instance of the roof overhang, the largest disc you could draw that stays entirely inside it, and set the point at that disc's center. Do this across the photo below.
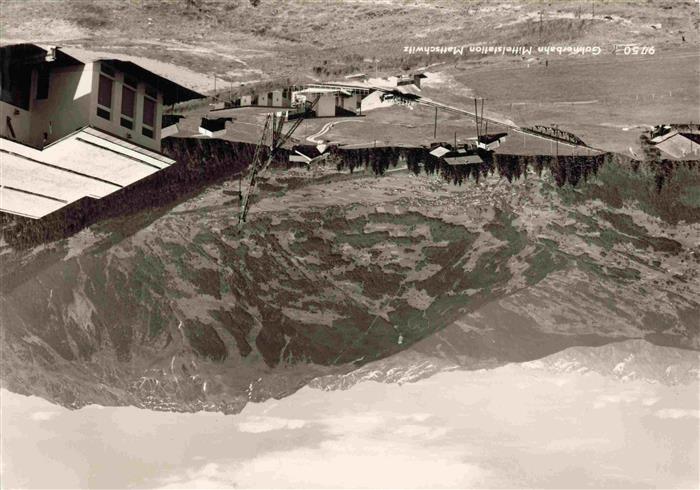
(172, 92)
(26, 53)
(324, 91)
(33, 54)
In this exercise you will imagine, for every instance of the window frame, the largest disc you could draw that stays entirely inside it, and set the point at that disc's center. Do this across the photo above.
(145, 127)
(108, 73)
(126, 121)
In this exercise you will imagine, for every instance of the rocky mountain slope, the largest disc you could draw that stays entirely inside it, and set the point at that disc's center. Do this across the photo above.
(626, 360)
(177, 310)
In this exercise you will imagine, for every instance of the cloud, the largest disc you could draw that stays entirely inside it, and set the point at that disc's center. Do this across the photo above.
(647, 402)
(415, 417)
(677, 413)
(346, 463)
(41, 416)
(356, 450)
(211, 475)
(414, 431)
(628, 396)
(257, 425)
(573, 444)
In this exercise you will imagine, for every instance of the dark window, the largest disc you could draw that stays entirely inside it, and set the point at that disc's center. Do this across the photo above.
(128, 101)
(151, 92)
(103, 113)
(16, 81)
(104, 93)
(149, 117)
(127, 123)
(130, 81)
(42, 87)
(105, 68)
(149, 112)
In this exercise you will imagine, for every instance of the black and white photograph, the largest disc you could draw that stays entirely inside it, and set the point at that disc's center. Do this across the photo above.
(349, 244)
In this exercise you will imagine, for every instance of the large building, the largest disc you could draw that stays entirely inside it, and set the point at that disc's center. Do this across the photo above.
(331, 101)
(275, 98)
(74, 127)
(676, 144)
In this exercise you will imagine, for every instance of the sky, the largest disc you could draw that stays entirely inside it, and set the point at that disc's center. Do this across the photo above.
(516, 426)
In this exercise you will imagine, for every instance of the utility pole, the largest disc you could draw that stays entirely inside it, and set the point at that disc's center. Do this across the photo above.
(482, 113)
(476, 118)
(435, 127)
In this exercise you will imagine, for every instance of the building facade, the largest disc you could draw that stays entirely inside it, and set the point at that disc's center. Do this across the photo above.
(73, 129)
(49, 94)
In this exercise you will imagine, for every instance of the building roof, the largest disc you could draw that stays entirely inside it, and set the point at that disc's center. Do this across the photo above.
(678, 145)
(692, 137)
(87, 163)
(299, 158)
(170, 119)
(490, 138)
(440, 151)
(324, 90)
(408, 91)
(462, 159)
(664, 134)
(35, 54)
(172, 92)
(212, 125)
(30, 53)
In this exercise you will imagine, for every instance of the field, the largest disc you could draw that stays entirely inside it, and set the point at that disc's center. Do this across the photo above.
(606, 101)
(310, 38)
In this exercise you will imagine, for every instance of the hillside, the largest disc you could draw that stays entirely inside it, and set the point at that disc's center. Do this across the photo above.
(175, 310)
(278, 39)
(161, 303)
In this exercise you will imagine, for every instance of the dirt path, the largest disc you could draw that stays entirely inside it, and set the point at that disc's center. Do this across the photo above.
(326, 127)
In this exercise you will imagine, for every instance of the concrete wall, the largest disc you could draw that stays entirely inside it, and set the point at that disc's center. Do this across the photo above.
(352, 103)
(66, 109)
(246, 100)
(113, 125)
(374, 101)
(264, 99)
(278, 99)
(20, 120)
(71, 105)
(325, 107)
